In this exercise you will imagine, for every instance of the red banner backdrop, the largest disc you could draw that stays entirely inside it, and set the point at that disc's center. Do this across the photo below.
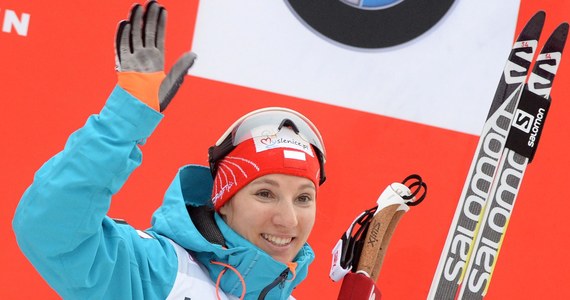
(58, 68)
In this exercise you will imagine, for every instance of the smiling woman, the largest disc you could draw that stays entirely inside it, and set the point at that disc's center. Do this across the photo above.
(238, 229)
(275, 212)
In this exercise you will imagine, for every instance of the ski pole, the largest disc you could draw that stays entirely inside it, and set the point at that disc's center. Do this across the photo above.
(368, 245)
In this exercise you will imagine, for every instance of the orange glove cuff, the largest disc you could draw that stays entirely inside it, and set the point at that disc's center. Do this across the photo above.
(143, 86)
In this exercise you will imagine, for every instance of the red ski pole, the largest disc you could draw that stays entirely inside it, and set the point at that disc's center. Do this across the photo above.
(378, 225)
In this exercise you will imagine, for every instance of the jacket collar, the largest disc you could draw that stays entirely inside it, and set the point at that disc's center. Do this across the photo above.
(192, 186)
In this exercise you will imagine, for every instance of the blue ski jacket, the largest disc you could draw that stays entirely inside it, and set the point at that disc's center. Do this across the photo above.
(62, 227)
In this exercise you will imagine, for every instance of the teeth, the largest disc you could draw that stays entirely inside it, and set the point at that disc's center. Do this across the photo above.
(277, 240)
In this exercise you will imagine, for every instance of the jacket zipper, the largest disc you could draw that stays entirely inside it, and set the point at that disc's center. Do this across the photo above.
(279, 280)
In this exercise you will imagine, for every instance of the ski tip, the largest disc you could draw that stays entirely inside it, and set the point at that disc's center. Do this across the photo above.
(558, 38)
(533, 27)
(563, 27)
(539, 14)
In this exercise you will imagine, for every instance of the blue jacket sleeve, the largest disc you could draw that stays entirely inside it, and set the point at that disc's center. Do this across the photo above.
(61, 224)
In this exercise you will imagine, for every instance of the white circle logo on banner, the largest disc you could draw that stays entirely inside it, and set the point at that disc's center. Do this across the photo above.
(370, 24)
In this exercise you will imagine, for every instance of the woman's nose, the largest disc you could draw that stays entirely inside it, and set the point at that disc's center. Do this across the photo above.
(285, 214)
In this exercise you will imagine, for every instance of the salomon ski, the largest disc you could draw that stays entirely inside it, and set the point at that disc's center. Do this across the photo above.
(519, 151)
(455, 254)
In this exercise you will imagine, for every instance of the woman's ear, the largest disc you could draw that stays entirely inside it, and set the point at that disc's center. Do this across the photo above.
(225, 210)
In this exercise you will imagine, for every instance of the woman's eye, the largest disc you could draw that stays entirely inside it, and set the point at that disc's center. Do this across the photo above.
(263, 194)
(304, 199)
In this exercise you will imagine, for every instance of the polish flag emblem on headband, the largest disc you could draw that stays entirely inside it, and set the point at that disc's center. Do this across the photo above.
(268, 152)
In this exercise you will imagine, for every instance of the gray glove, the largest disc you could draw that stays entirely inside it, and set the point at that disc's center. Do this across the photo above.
(140, 48)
